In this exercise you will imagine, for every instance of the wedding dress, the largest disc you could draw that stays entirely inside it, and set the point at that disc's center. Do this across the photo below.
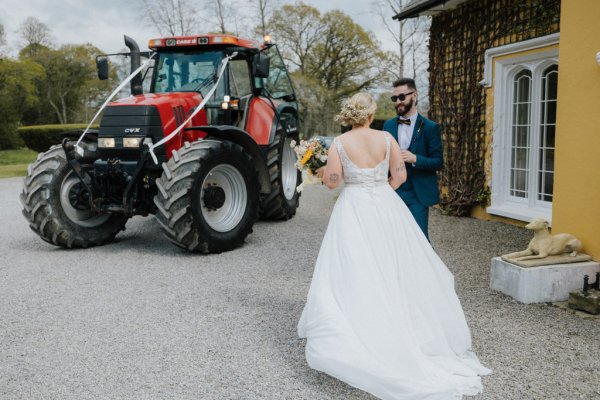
(382, 314)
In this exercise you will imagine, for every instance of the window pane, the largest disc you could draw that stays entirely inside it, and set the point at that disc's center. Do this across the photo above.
(278, 83)
(550, 129)
(523, 114)
(240, 78)
(550, 113)
(519, 189)
(545, 173)
(521, 126)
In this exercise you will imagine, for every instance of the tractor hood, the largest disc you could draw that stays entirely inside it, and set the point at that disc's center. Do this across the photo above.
(153, 115)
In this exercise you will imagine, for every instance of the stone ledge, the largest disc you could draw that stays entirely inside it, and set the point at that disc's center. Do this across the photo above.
(548, 283)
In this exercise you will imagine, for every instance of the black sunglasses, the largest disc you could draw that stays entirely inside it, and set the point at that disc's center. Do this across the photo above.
(401, 96)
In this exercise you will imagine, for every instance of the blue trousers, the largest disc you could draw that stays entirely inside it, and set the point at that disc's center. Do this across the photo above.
(419, 211)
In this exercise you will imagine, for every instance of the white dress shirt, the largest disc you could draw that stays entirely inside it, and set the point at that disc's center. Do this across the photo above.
(405, 132)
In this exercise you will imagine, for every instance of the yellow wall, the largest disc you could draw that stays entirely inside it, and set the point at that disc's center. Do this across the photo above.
(576, 205)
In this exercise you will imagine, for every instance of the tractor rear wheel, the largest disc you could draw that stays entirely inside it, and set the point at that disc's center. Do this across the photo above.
(56, 204)
(284, 199)
(208, 196)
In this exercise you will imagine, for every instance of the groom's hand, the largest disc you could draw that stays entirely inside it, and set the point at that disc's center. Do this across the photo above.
(408, 157)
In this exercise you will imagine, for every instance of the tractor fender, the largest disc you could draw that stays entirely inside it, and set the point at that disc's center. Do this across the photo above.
(286, 108)
(242, 138)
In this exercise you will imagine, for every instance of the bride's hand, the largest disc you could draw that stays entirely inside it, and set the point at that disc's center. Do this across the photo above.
(320, 172)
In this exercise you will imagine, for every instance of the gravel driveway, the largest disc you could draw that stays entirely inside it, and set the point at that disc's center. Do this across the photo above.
(142, 319)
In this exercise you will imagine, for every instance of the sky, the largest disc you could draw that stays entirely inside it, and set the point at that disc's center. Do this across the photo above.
(103, 23)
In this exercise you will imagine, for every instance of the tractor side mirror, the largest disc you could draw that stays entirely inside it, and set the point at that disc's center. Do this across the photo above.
(102, 67)
(260, 65)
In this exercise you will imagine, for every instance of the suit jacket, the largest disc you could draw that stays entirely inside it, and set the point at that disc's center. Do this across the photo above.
(426, 143)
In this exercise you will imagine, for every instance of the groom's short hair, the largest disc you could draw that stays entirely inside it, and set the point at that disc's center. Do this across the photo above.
(405, 81)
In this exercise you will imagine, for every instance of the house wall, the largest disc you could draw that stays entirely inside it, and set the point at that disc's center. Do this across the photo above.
(576, 207)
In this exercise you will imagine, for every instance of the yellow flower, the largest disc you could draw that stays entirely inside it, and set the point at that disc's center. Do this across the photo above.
(306, 157)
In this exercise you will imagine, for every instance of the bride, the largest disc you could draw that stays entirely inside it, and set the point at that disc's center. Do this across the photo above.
(382, 314)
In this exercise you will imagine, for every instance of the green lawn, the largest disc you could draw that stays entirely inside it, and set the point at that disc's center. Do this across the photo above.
(14, 162)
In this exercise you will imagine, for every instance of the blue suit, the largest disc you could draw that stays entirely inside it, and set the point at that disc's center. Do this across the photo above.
(421, 187)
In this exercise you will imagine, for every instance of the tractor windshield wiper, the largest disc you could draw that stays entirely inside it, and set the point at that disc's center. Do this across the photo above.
(204, 83)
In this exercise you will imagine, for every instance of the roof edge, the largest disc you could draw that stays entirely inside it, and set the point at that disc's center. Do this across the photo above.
(412, 12)
(425, 7)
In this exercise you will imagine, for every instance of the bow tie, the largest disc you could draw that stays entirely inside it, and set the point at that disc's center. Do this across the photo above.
(403, 121)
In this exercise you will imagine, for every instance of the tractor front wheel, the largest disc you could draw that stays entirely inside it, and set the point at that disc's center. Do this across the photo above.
(208, 196)
(284, 199)
(56, 204)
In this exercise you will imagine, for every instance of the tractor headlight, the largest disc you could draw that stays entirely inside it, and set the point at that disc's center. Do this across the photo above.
(106, 142)
(132, 142)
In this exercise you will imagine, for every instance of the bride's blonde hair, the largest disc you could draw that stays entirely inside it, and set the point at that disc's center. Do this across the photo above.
(357, 110)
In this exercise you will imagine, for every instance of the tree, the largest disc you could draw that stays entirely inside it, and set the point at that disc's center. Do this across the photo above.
(332, 58)
(296, 28)
(172, 17)
(411, 37)
(263, 10)
(345, 57)
(2, 38)
(17, 93)
(70, 84)
(35, 34)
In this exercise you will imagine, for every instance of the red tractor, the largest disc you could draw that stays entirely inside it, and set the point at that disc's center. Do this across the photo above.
(230, 164)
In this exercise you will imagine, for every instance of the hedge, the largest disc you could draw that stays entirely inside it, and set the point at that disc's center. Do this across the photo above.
(41, 137)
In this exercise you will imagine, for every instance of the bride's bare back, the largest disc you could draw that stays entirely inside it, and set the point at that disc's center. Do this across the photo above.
(366, 148)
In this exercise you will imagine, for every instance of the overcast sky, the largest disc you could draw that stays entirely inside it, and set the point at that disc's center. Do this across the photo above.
(104, 22)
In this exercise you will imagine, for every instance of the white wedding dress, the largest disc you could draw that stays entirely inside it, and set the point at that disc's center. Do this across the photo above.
(382, 314)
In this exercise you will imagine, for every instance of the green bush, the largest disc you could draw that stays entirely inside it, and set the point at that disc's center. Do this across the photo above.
(41, 137)
(9, 139)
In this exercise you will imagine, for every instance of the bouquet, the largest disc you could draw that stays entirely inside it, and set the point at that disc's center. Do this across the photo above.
(312, 155)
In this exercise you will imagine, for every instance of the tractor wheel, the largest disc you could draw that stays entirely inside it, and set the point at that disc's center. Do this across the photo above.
(208, 196)
(283, 200)
(56, 205)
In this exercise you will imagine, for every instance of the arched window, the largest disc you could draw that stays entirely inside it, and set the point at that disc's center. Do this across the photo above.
(525, 101)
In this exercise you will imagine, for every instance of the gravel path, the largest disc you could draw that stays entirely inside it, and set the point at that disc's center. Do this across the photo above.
(142, 319)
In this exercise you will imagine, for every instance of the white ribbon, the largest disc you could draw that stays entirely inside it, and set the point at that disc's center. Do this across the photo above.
(78, 148)
(196, 111)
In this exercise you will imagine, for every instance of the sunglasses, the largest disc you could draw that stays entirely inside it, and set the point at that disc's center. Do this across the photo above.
(401, 96)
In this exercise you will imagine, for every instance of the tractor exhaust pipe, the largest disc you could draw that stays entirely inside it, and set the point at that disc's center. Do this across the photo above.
(136, 82)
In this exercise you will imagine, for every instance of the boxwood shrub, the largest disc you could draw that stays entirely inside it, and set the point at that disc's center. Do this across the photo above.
(40, 137)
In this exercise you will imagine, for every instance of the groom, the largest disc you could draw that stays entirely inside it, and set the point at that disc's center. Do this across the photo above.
(421, 149)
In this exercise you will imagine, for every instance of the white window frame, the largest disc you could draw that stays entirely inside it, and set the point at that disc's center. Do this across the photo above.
(502, 203)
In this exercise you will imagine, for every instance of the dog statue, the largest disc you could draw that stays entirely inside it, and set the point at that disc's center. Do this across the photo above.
(544, 244)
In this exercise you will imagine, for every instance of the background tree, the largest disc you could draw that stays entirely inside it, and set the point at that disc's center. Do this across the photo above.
(410, 37)
(2, 39)
(331, 58)
(296, 29)
(35, 34)
(70, 84)
(17, 93)
(263, 11)
(172, 17)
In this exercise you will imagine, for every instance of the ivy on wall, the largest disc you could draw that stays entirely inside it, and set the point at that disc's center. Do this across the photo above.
(459, 39)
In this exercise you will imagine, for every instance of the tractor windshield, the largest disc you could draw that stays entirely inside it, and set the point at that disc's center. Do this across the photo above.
(187, 72)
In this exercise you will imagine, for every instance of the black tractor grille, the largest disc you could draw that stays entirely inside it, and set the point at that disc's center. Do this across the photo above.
(137, 121)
